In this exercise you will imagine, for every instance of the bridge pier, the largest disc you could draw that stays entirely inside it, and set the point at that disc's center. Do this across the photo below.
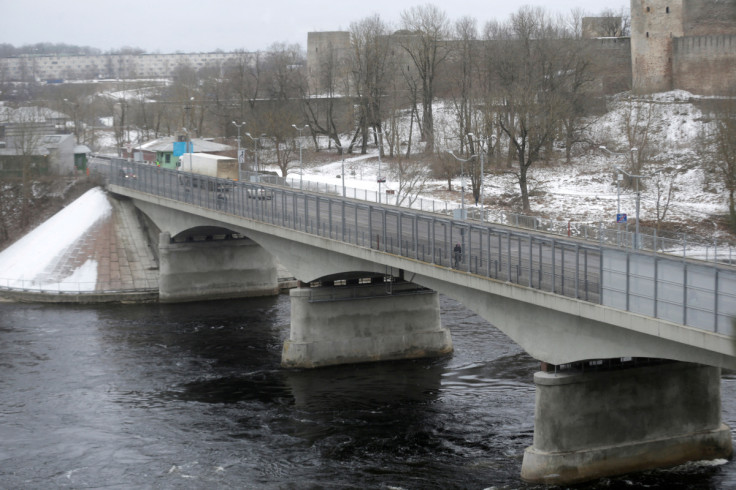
(589, 425)
(367, 323)
(214, 269)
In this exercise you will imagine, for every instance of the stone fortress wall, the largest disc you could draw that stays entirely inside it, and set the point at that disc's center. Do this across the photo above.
(684, 44)
(674, 44)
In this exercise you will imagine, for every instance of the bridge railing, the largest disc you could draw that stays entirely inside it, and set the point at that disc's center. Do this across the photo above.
(616, 235)
(585, 270)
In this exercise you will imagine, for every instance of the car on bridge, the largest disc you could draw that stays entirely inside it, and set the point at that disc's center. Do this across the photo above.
(259, 193)
(128, 173)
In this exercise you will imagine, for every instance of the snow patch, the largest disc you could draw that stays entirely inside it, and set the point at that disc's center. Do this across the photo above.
(35, 253)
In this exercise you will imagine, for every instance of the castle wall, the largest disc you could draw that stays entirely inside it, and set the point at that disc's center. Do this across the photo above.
(612, 64)
(705, 65)
(684, 44)
(654, 24)
(709, 17)
(325, 51)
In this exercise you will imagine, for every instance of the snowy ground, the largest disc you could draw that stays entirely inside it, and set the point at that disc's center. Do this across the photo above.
(583, 191)
(26, 264)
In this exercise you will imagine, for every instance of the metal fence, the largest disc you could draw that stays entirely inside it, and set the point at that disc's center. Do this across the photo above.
(592, 270)
(609, 234)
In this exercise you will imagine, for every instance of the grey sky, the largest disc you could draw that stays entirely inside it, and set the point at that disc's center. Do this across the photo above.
(168, 26)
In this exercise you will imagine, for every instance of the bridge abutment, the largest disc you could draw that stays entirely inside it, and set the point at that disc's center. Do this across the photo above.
(344, 325)
(214, 269)
(589, 425)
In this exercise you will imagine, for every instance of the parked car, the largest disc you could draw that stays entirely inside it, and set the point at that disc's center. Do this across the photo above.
(259, 193)
(127, 173)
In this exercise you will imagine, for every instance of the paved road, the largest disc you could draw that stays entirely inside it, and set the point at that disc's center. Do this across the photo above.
(568, 267)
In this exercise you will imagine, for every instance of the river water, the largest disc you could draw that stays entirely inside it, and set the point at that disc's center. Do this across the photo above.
(192, 396)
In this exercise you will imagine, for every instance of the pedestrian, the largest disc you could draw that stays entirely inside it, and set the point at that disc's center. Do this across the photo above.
(458, 252)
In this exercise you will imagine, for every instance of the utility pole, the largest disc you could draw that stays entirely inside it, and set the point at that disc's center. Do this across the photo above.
(462, 179)
(255, 155)
(380, 178)
(241, 160)
(301, 167)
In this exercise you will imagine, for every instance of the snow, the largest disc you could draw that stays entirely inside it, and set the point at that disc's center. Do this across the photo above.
(582, 192)
(28, 262)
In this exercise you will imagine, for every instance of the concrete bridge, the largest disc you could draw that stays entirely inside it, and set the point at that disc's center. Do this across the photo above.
(631, 344)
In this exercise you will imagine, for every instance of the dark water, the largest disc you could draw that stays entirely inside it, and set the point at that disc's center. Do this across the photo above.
(192, 396)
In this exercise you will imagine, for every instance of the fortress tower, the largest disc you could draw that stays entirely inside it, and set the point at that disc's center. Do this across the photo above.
(685, 44)
(654, 24)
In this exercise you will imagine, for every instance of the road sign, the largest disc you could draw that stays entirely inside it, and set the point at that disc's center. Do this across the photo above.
(241, 155)
(621, 218)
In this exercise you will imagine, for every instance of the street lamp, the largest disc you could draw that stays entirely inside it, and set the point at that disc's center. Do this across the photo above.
(255, 153)
(462, 178)
(619, 178)
(380, 179)
(240, 155)
(638, 200)
(189, 142)
(480, 150)
(301, 167)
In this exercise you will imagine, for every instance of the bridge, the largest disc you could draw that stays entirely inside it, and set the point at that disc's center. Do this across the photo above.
(631, 343)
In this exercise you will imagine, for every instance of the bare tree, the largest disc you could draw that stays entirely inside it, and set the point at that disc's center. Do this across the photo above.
(244, 79)
(465, 73)
(665, 189)
(411, 176)
(611, 22)
(319, 108)
(575, 79)
(370, 63)
(26, 142)
(426, 44)
(724, 158)
(529, 84)
(636, 124)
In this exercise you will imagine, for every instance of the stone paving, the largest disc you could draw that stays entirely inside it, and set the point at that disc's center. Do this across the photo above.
(118, 244)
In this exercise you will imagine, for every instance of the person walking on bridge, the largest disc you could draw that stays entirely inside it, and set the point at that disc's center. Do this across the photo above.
(458, 253)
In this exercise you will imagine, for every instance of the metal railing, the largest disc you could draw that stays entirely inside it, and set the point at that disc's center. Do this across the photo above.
(561, 265)
(678, 244)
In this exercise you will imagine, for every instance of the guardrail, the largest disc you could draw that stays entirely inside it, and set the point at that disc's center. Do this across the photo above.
(609, 234)
(542, 261)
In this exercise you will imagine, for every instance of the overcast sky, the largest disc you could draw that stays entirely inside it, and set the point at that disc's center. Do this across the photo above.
(168, 26)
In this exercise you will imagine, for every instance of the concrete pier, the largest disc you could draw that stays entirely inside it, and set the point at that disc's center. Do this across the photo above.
(346, 324)
(214, 269)
(604, 423)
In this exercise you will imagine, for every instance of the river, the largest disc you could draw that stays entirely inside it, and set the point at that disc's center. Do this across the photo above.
(192, 396)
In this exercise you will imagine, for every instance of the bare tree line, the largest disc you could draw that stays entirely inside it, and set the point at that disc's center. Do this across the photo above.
(522, 88)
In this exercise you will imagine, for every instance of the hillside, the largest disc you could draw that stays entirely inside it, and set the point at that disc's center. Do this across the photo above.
(585, 191)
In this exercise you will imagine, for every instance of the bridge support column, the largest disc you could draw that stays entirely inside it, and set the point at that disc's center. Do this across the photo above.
(595, 424)
(217, 269)
(344, 325)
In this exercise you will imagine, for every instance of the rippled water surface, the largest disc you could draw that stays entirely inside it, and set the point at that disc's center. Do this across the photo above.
(192, 396)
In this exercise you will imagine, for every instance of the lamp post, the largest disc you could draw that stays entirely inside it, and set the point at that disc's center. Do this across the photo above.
(380, 179)
(189, 142)
(638, 201)
(255, 153)
(619, 178)
(342, 176)
(471, 136)
(301, 167)
(462, 179)
(240, 156)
